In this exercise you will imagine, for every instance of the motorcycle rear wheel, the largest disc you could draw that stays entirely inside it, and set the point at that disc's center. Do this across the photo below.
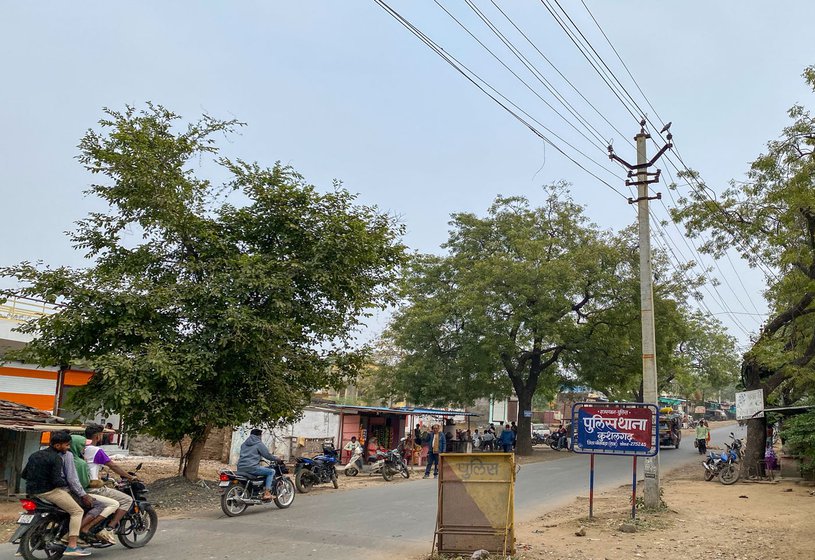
(138, 528)
(303, 481)
(284, 490)
(231, 501)
(729, 474)
(351, 471)
(39, 542)
(387, 473)
(709, 475)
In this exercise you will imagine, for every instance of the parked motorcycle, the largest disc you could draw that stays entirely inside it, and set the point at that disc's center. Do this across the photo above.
(43, 525)
(394, 464)
(725, 464)
(387, 463)
(239, 491)
(320, 469)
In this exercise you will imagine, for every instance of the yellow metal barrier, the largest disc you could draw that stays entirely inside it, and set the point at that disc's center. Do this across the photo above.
(476, 506)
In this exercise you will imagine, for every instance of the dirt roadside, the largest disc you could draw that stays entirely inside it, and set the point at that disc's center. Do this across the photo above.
(745, 521)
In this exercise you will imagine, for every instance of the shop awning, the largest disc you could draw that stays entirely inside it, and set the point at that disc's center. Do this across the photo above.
(438, 411)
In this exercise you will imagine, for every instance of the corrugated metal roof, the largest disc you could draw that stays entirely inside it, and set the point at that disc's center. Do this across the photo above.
(438, 411)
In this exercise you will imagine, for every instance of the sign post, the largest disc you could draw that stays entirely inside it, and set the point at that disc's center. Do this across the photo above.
(625, 429)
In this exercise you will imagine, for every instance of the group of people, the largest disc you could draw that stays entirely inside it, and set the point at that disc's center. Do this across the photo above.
(67, 474)
(490, 439)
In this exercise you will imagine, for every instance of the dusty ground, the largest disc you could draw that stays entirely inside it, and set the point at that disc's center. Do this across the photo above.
(745, 521)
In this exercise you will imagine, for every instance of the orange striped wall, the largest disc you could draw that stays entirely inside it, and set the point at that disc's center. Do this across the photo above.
(31, 398)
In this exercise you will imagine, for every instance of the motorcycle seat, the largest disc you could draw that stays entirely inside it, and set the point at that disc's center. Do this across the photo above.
(252, 477)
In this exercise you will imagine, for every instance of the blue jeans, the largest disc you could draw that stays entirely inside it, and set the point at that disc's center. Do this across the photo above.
(507, 448)
(270, 475)
(432, 460)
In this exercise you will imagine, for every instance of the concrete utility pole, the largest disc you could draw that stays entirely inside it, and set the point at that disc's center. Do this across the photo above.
(649, 359)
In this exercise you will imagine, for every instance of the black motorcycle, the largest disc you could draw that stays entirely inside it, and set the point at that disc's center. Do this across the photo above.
(239, 491)
(43, 525)
(553, 440)
(394, 464)
(320, 469)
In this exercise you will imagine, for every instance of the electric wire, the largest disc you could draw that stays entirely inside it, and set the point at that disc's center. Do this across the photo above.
(473, 78)
(603, 142)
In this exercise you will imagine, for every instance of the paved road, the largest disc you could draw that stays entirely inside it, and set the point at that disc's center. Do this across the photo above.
(365, 522)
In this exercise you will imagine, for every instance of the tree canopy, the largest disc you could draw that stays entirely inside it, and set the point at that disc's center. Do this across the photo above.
(527, 299)
(770, 220)
(207, 305)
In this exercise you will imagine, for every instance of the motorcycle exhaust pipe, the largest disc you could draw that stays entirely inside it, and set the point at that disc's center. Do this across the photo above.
(251, 501)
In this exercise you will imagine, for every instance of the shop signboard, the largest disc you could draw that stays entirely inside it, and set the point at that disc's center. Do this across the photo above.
(615, 428)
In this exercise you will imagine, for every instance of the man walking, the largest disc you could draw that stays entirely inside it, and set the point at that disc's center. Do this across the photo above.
(437, 444)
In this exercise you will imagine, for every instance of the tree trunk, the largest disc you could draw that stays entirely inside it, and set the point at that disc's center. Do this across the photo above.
(523, 445)
(196, 450)
(756, 427)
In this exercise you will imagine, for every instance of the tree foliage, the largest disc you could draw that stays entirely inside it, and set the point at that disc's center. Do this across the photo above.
(527, 299)
(206, 306)
(517, 291)
(770, 220)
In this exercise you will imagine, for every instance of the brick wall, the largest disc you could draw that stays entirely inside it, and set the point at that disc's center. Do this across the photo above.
(216, 447)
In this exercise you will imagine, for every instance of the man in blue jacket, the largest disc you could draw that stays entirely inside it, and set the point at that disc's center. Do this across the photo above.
(252, 451)
(437, 444)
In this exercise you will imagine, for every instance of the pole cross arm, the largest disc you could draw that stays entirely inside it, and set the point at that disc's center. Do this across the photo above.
(636, 200)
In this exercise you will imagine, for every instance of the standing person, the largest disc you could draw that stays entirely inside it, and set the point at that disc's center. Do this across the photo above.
(514, 434)
(96, 459)
(437, 444)
(507, 438)
(253, 450)
(417, 433)
(488, 440)
(476, 440)
(44, 479)
(702, 436)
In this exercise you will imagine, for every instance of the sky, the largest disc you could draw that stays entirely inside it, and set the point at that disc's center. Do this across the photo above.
(340, 90)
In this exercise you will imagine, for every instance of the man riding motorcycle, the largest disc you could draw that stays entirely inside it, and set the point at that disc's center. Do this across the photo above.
(45, 479)
(253, 450)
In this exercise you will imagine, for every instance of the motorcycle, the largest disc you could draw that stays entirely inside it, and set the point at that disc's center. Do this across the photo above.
(394, 464)
(724, 465)
(553, 441)
(43, 525)
(387, 463)
(317, 470)
(239, 490)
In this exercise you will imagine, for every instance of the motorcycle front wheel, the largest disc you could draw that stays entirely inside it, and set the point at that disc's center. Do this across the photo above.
(729, 475)
(41, 542)
(404, 470)
(137, 528)
(285, 492)
(334, 481)
(232, 502)
(304, 481)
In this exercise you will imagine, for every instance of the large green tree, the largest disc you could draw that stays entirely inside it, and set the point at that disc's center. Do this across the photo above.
(770, 220)
(517, 290)
(206, 305)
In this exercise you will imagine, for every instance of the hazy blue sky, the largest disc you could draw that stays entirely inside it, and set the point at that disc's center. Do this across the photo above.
(339, 90)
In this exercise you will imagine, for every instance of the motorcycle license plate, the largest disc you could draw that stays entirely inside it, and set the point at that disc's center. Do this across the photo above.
(25, 519)
(224, 483)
